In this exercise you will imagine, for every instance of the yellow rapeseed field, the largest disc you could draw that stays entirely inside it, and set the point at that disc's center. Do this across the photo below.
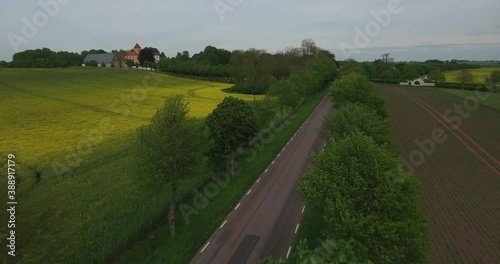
(47, 113)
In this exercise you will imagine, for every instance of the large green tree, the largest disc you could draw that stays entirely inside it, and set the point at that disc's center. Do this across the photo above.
(232, 124)
(172, 149)
(436, 75)
(146, 54)
(364, 196)
(465, 76)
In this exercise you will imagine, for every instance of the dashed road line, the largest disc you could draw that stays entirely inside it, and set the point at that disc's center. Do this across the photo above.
(303, 208)
(223, 224)
(297, 228)
(266, 170)
(249, 191)
(205, 247)
(289, 250)
(258, 180)
(237, 206)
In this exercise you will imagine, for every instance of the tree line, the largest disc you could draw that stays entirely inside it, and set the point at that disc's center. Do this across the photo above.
(387, 70)
(367, 210)
(177, 151)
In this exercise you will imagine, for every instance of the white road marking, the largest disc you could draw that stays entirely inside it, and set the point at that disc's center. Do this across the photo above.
(237, 206)
(205, 247)
(258, 180)
(272, 162)
(223, 224)
(266, 170)
(249, 192)
(288, 143)
(288, 253)
(279, 154)
(303, 208)
(297, 228)
(324, 145)
(283, 149)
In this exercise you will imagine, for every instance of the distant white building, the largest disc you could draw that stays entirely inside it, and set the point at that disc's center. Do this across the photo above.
(418, 82)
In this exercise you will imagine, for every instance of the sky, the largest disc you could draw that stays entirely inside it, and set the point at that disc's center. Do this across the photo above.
(414, 30)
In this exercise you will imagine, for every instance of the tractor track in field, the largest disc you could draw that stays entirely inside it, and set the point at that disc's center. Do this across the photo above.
(460, 192)
(476, 149)
(84, 106)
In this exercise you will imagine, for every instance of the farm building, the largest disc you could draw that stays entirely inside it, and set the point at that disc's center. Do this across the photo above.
(418, 82)
(106, 58)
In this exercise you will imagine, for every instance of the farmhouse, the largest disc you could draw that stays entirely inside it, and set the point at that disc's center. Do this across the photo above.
(418, 82)
(133, 54)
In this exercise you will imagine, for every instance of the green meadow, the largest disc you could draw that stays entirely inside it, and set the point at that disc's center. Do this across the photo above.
(480, 74)
(79, 197)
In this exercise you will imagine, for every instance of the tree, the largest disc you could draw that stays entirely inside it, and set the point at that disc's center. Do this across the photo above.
(364, 196)
(357, 117)
(287, 94)
(387, 75)
(309, 47)
(231, 126)
(495, 77)
(171, 149)
(146, 54)
(465, 76)
(184, 56)
(352, 66)
(130, 63)
(356, 88)
(120, 57)
(436, 76)
(387, 59)
(91, 63)
(410, 72)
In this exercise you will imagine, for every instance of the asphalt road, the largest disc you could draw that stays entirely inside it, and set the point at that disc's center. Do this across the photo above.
(265, 220)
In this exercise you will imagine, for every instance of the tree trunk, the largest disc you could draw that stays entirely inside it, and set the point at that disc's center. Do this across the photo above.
(171, 219)
(232, 165)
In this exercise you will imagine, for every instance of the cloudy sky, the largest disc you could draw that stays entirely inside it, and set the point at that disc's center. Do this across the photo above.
(361, 29)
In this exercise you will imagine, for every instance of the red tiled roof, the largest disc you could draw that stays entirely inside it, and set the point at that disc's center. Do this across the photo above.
(137, 46)
(132, 53)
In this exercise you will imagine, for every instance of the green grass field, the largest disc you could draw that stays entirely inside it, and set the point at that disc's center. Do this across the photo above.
(479, 74)
(80, 122)
(493, 101)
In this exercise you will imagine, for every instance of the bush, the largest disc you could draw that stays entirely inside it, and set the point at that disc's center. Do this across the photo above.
(465, 86)
(91, 63)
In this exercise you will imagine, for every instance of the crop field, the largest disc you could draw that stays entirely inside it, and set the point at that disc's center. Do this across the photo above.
(479, 74)
(450, 143)
(70, 130)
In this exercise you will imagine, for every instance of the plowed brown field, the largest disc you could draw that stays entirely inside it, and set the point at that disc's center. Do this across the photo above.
(452, 146)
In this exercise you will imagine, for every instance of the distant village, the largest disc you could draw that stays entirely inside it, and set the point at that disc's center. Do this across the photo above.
(119, 59)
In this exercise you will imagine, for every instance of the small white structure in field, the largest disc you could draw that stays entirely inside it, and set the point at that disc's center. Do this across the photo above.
(418, 82)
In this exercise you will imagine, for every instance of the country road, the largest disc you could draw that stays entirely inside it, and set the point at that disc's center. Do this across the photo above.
(265, 220)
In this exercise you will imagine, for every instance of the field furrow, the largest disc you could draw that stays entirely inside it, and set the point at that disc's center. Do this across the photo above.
(460, 193)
